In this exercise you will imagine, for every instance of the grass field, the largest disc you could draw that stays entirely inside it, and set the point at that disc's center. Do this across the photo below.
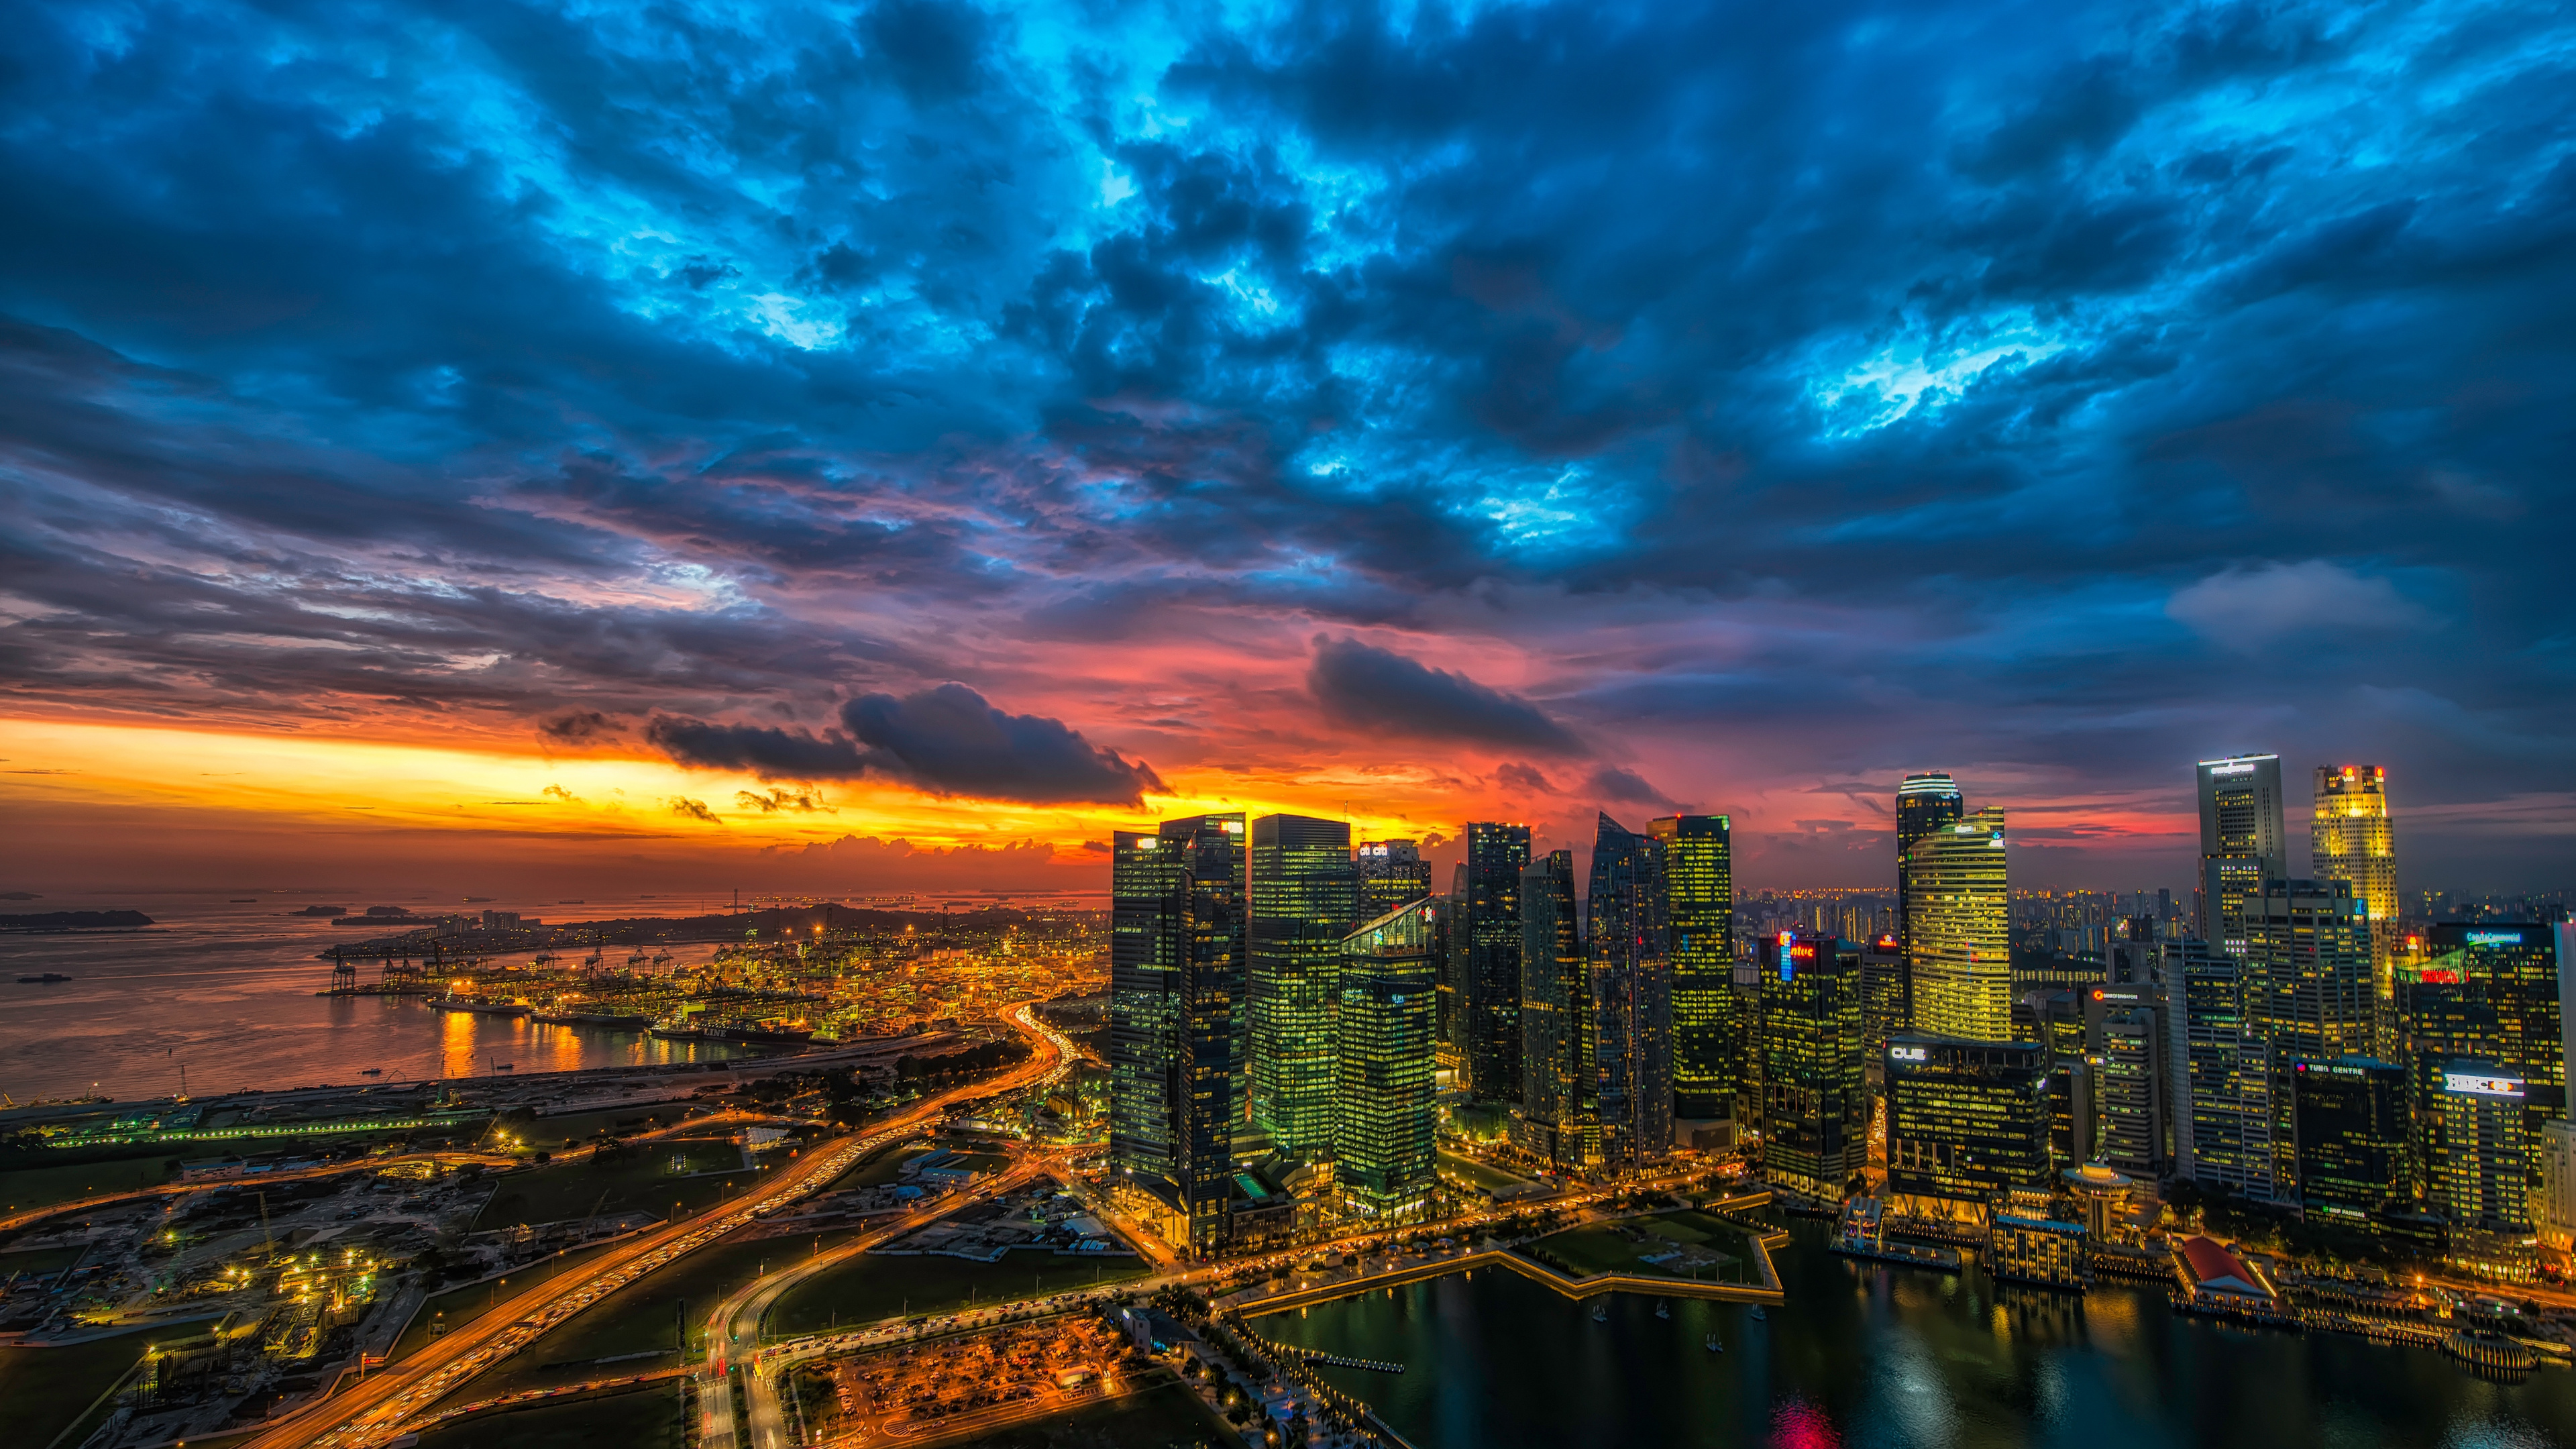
(551, 1132)
(642, 1316)
(1489, 1178)
(645, 1181)
(39, 1261)
(643, 1418)
(35, 1187)
(45, 1389)
(874, 1285)
(1604, 1249)
(461, 1306)
(1157, 1418)
(881, 1166)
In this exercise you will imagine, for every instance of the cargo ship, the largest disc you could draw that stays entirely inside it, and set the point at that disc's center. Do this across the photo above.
(483, 1008)
(609, 1020)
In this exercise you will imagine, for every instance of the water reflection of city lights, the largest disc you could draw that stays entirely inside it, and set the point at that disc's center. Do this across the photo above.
(1797, 1424)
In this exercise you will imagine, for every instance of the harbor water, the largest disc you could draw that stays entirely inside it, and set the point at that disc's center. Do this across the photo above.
(226, 990)
(1872, 1354)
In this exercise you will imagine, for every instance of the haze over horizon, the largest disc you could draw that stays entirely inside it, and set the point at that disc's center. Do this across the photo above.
(877, 448)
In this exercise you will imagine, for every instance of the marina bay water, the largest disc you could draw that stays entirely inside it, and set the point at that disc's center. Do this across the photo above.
(226, 989)
(1866, 1354)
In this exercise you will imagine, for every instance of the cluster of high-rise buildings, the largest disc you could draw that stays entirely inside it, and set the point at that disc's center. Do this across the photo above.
(1284, 1004)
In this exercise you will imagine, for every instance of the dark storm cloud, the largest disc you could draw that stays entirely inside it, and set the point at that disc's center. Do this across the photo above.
(2044, 386)
(1371, 688)
(948, 740)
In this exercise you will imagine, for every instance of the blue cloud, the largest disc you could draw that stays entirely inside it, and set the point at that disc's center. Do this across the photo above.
(525, 359)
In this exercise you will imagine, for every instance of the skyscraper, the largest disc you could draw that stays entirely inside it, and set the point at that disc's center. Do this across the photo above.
(1491, 1043)
(2224, 1118)
(2483, 1183)
(1560, 1108)
(1452, 1025)
(1959, 916)
(2307, 989)
(2243, 842)
(1815, 1109)
(1926, 801)
(2127, 1039)
(1627, 935)
(1708, 1030)
(2350, 1118)
(1208, 1013)
(1304, 899)
(1966, 1120)
(1384, 1106)
(1392, 873)
(1149, 886)
(2353, 840)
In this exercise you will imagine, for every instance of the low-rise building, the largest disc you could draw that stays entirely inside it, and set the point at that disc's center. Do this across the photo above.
(2037, 1250)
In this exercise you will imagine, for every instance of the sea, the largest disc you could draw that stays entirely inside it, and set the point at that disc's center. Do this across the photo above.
(1890, 1357)
(219, 995)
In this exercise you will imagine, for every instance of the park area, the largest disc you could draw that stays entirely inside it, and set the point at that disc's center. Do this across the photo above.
(47, 1390)
(877, 1285)
(658, 1178)
(648, 1417)
(1682, 1245)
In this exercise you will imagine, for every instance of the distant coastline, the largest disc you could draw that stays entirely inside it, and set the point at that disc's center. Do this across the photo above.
(51, 921)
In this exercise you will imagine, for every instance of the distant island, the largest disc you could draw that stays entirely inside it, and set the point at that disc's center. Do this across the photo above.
(76, 921)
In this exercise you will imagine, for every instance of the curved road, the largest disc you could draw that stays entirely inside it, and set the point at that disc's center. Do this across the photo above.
(376, 1410)
(737, 1319)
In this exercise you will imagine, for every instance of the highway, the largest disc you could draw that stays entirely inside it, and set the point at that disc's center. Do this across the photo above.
(379, 1409)
(733, 1330)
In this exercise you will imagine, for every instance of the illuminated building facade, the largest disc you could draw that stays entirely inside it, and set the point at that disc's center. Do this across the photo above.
(1959, 913)
(1708, 1029)
(2350, 1119)
(2126, 1040)
(2307, 989)
(1491, 1041)
(1926, 801)
(1967, 1121)
(1392, 873)
(2352, 839)
(2483, 1184)
(1149, 916)
(1384, 1105)
(1814, 1104)
(1304, 896)
(2244, 842)
(2224, 1119)
(1560, 1106)
(1884, 1009)
(1208, 1021)
(1626, 933)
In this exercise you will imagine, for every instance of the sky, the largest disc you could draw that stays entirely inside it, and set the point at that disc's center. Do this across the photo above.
(853, 448)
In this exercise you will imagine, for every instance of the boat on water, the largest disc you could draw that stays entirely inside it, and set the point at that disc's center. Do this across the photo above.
(1601, 1313)
(1663, 1309)
(1714, 1346)
(1759, 1316)
(483, 1008)
(48, 979)
(505, 1066)
(613, 1020)
(371, 1071)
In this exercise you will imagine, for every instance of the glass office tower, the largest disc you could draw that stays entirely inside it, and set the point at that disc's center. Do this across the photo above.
(1392, 873)
(1926, 801)
(1149, 914)
(1966, 1121)
(1626, 934)
(1304, 898)
(2224, 1118)
(2307, 990)
(2243, 842)
(1708, 1026)
(1815, 1109)
(1384, 1106)
(1208, 1016)
(1560, 1110)
(1960, 917)
(2354, 841)
(1491, 1043)
(2351, 1121)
